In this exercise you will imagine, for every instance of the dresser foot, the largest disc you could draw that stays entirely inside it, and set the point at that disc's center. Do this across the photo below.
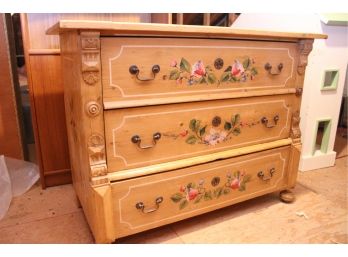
(287, 196)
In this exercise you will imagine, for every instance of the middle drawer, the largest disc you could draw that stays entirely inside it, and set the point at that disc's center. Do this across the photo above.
(137, 137)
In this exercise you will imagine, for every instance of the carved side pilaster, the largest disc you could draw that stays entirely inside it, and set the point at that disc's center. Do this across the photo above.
(306, 47)
(90, 48)
(91, 92)
(295, 132)
(97, 158)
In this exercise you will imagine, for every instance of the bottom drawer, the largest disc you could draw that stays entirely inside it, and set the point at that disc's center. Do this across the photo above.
(147, 202)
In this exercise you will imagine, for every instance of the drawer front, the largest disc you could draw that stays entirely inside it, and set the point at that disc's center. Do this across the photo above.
(143, 136)
(148, 202)
(191, 67)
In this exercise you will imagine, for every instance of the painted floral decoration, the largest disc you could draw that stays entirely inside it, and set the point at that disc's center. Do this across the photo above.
(197, 193)
(198, 73)
(214, 134)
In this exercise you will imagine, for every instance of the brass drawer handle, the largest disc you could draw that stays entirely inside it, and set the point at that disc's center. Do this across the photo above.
(261, 175)
(141, 205)
(137, 140)
(264, 121)
(268, 67)
(134, 70)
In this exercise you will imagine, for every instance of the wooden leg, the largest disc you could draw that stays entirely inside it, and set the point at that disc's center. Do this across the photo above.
(287, 196)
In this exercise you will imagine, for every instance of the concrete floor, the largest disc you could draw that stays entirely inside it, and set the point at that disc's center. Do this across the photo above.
(319, 215)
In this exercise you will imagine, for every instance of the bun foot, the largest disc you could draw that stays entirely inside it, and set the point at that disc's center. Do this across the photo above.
(287, 196)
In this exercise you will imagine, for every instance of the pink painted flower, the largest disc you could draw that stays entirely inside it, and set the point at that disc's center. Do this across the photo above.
(237, 69)
(215, 136)
(183, 133)
(198, 69)
(235, 183)
(192, 194)
(173, 63)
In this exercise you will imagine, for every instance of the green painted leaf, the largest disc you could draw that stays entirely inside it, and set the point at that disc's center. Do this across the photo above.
(199, 198)
(207, 196)
(183, 204)
(225, 76)
(227, 126)
(234, 79)
(177, 197)
(185, 65)
(211, 78)
(236, 131)
(246, 63)
(192, 124)
(254, 71)
(174, 74)
(219, 192)
(202, 130)
(226, 191)
(238, 174)
(202, 80)
(228, 69)
(208, 68)
(242, 187)
(235, 120)
(191, 140)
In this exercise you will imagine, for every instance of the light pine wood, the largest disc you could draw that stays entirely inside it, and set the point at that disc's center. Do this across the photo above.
(119, 54)
(178, 139)
(11, 142)
(129, 220)
(124, 28)
(112, 175)
(173, 165)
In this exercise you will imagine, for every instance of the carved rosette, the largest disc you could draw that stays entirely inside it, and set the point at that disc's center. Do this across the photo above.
(96, 151)
(306, 47)
(295, 133)
(93, 108)
(90, 46)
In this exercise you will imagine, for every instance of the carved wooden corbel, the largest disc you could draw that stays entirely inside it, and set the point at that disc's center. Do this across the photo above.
(96, 152)
(295, 132)
(90, 51)
(306, 47)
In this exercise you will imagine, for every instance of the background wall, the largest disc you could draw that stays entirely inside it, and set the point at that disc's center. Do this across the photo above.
(326, 54)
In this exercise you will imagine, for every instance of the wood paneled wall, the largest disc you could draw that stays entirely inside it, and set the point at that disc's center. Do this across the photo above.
(46, 90)
(10, 129)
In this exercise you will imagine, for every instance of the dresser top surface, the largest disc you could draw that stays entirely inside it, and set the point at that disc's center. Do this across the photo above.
(108, 28)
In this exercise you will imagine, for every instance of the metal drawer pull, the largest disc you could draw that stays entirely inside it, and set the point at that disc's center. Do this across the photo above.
(137, 140)
(268, 67)
(141, 206)
(134, 70)
(261, 175)
(264, 121)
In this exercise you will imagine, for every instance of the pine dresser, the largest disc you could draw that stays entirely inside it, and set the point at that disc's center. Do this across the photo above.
(166, 122)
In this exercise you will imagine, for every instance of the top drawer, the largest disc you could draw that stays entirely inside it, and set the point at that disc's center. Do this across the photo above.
(168, 70)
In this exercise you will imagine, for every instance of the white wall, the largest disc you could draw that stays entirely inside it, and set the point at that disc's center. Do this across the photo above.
(326, 54)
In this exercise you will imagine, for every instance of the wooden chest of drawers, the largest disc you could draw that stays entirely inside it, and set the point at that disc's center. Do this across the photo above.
(167, 122)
